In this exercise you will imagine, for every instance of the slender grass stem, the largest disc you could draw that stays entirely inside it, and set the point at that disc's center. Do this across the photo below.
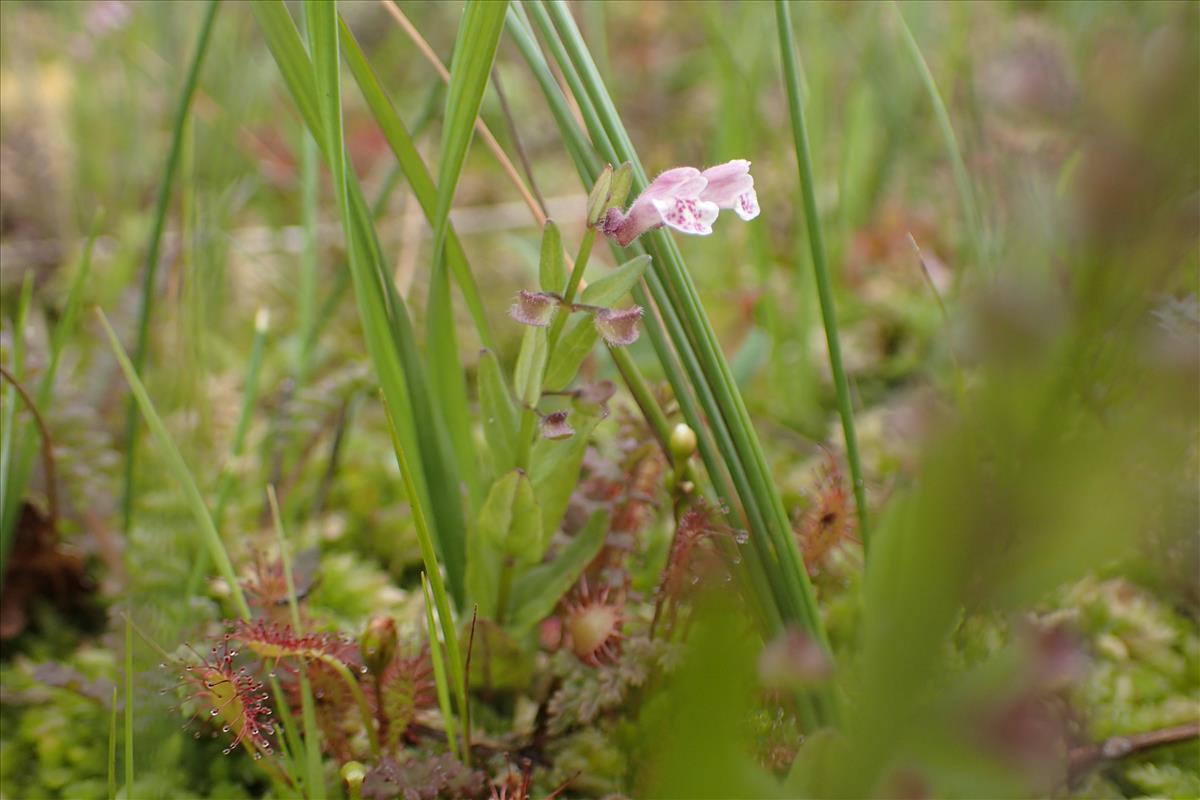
(179, 468)
(439, 669)
(812, 220)
(226, 483)
(150, 270)
(962, 181)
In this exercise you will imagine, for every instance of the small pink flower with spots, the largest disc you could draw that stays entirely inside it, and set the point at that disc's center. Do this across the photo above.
(687, 200)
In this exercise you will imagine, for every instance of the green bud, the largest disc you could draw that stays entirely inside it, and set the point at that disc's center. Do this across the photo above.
(598, 199)
(683, 441)
(622, 182)
(353, 773)
(378, 644)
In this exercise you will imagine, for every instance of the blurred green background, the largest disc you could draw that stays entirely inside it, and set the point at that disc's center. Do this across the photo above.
(1027, 400)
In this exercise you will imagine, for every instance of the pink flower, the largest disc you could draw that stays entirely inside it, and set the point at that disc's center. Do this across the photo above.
(687, 200)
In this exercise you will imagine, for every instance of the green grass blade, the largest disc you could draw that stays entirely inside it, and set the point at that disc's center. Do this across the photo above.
(425, 542)
(787, 48)
(386, 326)
(470, 69)
(179, 469)
(112, 748)
(439, 670)
(228, 479)
(8, 430)
(128, 706)
(409, 160)
(150, 270)
(962, 181)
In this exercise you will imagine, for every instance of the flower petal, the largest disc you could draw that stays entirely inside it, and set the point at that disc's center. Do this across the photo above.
(746, 205)
(727, 182)
(534, 308)
(618, 327)
(688, 214)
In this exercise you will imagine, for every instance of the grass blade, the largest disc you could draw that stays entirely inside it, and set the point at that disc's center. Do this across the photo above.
(128, 706)
(227, 481)
(409, 160)
(425, 541)
(152, 250)
(112, 748)
(386, 325)
(8, 436)
(179, 469)
(474, 52)
(787, 48)
(962, 181)
(439, 670)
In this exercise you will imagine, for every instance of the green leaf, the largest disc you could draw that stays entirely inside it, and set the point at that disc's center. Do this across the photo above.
(552, 270)
(570, 352)
(501, 417)
(510, 519)
(616, 284)
(531, 364)
(554, 468)
(537, 590)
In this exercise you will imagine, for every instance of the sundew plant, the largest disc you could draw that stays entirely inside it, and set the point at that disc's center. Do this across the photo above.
(529, 398)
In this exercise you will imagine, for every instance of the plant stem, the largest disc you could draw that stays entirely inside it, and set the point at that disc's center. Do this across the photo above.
(817, 244)
(560, 319)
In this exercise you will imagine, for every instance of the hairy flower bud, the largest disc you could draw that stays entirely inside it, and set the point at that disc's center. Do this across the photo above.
(618, 327)
(555, 426)
(534, 308)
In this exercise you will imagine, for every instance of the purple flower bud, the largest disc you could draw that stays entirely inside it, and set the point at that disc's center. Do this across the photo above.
(555, 426)
(534, 308)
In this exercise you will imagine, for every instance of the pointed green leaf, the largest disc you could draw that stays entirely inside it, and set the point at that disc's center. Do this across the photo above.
(554, 468)
(501, 417)
(570, 352)
(531, 364)
(616, 284)
(510, 519)
(552, 270)
(537, 590)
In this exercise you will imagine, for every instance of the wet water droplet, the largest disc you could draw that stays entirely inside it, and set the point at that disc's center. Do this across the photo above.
(257, 756)
(741, 537)
(212, 713)
(224, 729)
(363, 670)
